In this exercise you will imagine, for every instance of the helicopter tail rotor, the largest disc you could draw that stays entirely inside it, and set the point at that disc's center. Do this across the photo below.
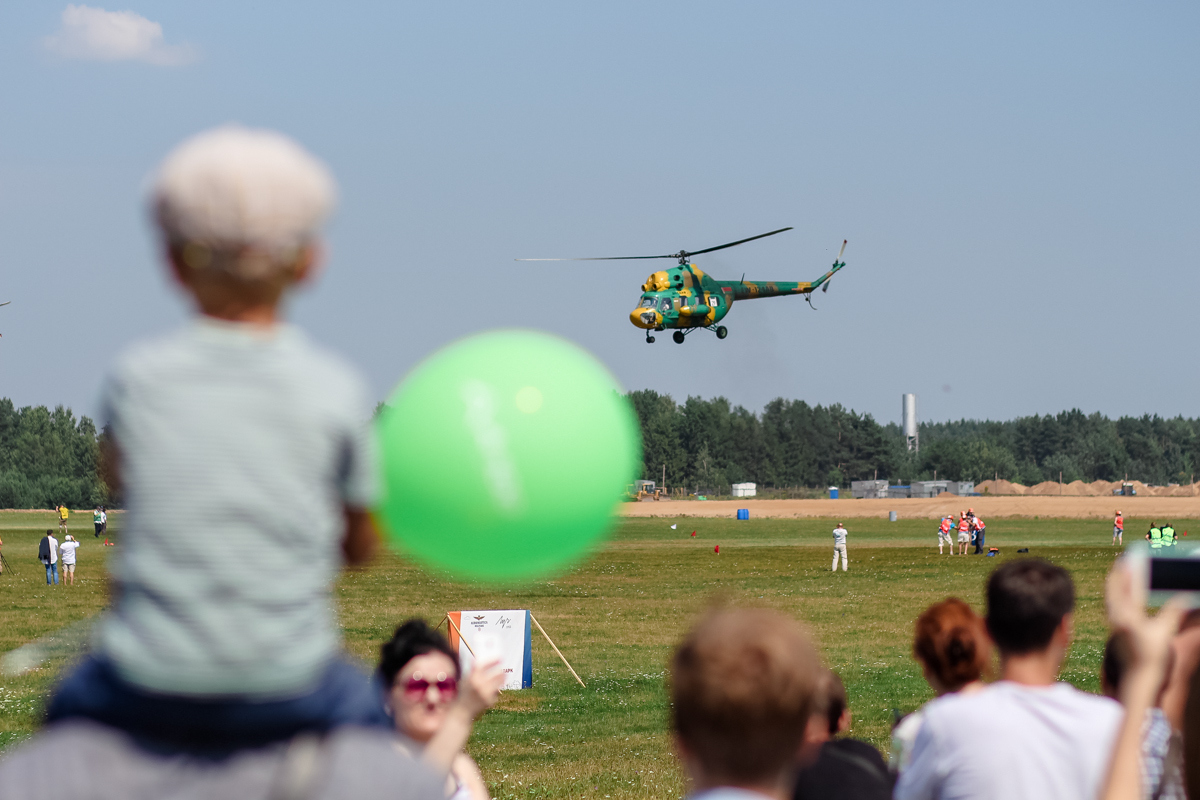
(837, 264)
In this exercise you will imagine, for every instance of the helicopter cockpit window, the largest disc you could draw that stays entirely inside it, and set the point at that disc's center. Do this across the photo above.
(648, 302)
(666, 304)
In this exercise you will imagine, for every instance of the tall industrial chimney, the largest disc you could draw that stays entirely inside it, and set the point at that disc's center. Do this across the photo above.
(909, 422)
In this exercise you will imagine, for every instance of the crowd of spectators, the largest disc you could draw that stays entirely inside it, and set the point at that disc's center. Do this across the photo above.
(206, 681)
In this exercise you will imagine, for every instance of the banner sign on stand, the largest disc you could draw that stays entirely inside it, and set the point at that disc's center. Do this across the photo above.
(495, 634)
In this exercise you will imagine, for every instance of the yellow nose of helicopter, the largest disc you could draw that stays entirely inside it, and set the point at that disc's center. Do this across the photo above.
(645, 318)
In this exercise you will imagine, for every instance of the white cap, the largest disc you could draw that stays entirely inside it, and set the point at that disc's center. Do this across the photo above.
(246, 199)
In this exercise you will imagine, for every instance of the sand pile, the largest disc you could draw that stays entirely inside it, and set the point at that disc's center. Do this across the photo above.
(1000, 487)
(1186, 490)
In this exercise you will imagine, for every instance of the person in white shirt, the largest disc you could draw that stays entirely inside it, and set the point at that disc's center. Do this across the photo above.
(67, 551)
(839, 548)
(1025, 736)
(952, 646)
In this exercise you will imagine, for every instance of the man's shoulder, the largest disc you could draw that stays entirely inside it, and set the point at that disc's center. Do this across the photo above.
(324, 371)
(1006, 700)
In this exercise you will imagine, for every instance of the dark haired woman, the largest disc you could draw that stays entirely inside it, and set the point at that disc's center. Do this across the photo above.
(431, 709)
(954, 651)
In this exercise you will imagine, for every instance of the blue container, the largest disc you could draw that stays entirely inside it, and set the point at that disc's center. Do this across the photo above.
(743, 513)
(833, 493)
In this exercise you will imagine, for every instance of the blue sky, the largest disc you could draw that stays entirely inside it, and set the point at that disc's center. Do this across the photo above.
(1018, 182)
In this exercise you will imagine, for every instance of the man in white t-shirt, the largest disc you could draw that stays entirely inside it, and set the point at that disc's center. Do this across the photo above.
(1025, 736)
(67, 551)
(839, 548)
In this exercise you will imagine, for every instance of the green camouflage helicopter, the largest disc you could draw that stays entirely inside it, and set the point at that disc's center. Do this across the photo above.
(686, 298)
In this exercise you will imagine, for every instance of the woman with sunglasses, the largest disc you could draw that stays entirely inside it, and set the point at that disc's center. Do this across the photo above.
(434, 711)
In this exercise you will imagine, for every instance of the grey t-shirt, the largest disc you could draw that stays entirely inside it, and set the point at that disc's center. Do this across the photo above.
(238, 449)
(80, 759)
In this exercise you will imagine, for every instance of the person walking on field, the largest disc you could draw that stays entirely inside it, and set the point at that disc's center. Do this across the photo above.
(964, 533)
(944, 533)
(839, 548)
(1118, 529)
(61, 508)
(98, 521)
(67, 551)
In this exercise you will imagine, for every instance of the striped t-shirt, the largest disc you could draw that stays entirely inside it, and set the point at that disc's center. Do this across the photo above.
(238, 448)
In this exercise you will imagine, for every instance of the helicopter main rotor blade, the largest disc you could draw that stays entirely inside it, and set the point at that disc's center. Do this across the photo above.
(739, 241)
(603, 258)
(682, 254)
(5, 303)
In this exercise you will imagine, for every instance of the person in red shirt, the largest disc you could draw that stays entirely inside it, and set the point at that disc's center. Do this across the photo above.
(1118, 529)
(964, 533)
(944, 533)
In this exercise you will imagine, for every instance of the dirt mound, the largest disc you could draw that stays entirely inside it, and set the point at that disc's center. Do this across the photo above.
(1045, 489)
(1000, 487)
(1185, 490)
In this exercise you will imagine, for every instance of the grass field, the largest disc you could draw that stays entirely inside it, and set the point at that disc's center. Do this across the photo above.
(616, 618)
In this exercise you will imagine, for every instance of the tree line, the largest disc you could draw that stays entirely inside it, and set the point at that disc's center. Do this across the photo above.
(705, 445)
(48, 457)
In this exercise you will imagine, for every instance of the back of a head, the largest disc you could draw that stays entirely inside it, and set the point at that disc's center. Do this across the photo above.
(835, 701)
(241, 201)
(950, 640)
(1027, 600)
(1118, 655)
(743, 684)
(413, 638)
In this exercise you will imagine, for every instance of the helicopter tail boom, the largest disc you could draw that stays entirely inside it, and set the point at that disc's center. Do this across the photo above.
(748, 290)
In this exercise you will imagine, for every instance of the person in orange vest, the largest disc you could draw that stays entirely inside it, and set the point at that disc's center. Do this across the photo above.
(944, 533)
(964, 532)
(1118, 529)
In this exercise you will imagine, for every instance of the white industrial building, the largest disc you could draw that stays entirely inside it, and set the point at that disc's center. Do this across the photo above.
(869, 489)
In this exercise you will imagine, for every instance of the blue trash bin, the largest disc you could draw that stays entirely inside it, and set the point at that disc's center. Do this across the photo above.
(833, 493)
(743, 513)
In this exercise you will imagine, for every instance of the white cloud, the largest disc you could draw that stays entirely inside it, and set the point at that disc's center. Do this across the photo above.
(93, 34)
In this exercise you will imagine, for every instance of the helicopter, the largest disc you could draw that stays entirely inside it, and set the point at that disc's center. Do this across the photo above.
(687, 299)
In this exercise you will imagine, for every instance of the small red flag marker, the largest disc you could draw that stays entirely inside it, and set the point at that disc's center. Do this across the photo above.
(694, 534)
(717, 549)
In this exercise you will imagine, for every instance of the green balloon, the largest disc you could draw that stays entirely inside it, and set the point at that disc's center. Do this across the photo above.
(505, 456)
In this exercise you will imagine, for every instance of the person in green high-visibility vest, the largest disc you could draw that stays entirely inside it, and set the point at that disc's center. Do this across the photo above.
(1154, 536)
(1168, 535)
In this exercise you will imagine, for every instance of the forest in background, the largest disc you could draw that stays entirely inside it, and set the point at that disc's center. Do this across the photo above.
(48, 456)
(705, 445)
